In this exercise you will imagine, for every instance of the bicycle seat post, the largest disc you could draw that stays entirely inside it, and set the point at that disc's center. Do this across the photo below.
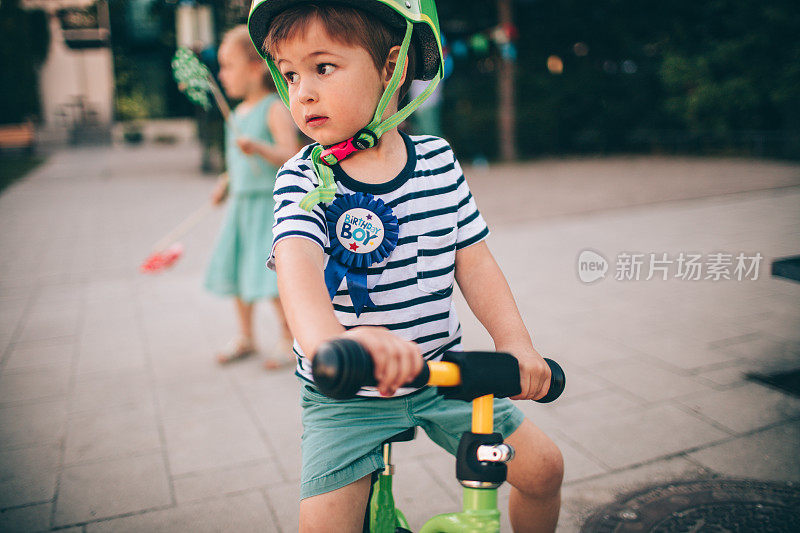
(387, 459)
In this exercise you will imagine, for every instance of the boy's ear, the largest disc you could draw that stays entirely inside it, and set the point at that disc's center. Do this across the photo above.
(391, 64)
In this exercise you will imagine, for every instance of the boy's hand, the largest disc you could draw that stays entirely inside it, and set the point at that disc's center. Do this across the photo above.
(534, 373)
(247, 146)
(397, 361)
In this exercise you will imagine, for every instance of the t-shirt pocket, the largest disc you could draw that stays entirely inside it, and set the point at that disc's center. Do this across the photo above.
(436, 261)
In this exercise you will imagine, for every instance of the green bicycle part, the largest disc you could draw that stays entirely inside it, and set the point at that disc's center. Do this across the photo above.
(480, 515)
(384, 517)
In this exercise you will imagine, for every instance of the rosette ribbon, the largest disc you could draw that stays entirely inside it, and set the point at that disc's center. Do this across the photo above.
(349, 259)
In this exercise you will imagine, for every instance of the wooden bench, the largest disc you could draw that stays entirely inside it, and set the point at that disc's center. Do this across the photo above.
(17, 136)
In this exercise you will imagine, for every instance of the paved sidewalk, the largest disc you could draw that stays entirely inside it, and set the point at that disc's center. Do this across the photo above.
(113, 416)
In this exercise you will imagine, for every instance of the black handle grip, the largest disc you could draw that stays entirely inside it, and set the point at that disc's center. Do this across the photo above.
(342, 366)
(557, 382)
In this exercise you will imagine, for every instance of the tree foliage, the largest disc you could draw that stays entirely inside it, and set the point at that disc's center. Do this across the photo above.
(637, 76)
(24, 40)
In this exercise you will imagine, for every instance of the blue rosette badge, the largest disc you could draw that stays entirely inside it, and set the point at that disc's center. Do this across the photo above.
(362, 231)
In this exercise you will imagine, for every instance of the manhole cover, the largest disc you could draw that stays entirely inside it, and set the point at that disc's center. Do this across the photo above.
(704, 506)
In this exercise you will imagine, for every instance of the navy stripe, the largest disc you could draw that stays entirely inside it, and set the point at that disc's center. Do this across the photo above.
(298, 234)
(429, 252)
(435, 171)
(465, 201)
(428, 274)
(307, 151)
(442, 349)
(289, 189)
(392, 264)
(433, 337)
(406, 304)
(387, 287)
(306, 218)
(426, 140)
(433, 153)
(468, 219)
(473, 240)
(427, 214)
(413, 238)
(422, 194)
(284, 204)
(291, 172)
(408, 324)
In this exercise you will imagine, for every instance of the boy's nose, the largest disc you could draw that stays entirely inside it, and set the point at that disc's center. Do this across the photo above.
(307, 92)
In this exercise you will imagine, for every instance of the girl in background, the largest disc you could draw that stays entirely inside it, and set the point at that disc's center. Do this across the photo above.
(260, 136)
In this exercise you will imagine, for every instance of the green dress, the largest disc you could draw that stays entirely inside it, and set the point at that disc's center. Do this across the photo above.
(238, 263)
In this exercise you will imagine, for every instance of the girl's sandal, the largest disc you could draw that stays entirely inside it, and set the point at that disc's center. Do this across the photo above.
(236, 350)
(281, 357)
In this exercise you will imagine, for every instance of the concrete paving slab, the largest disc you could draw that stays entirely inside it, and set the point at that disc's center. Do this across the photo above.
(30, 384)
(26, 519)
(412, 484)
(647, 381)
(30, 424)
(746, 408)
(228, 480)
(284, 502)
(127, 430)
(443, 471)
(681, 351)
(242, 512)
(51, 352)
(28, 475)
(105, 489)
(579, 463)
(212, 440)
(641, 436)
(99, 391)
(193, 397)
(110, 354)
(48, 322)
(770, 454)
(730, 375)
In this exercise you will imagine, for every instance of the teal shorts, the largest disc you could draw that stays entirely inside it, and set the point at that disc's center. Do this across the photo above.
(342, 438)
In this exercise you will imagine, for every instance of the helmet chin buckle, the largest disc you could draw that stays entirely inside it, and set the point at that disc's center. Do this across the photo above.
(362, 140)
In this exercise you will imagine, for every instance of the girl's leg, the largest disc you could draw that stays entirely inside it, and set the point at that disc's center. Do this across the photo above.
(282, 355)
(244, 312)
(338, 511)
(535, 475)
(243, 345)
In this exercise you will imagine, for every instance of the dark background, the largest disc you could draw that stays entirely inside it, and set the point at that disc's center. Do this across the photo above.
(708, 77)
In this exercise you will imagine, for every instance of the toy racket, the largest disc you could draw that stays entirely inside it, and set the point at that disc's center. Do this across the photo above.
(196, 81)
(167, 251)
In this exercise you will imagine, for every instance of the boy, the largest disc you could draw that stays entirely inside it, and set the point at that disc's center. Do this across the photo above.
(369, 249)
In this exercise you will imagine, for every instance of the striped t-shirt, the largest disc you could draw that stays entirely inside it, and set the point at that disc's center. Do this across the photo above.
(412, 289)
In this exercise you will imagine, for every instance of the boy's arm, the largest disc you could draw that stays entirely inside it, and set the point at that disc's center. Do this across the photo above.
(485, 288)
(309, 312)
(304, 297)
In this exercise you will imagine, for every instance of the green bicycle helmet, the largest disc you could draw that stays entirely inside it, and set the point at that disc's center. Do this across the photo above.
(421, 24)
(396, 13)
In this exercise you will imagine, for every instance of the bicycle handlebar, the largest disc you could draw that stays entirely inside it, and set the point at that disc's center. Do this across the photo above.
(342, 366)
